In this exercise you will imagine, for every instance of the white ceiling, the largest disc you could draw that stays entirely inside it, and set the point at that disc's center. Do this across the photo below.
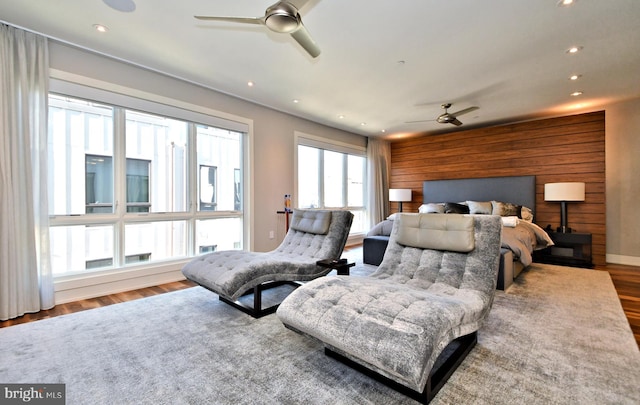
(382, 63)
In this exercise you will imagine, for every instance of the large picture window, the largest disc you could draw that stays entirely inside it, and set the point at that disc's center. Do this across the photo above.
(128, 187)
(331, 177)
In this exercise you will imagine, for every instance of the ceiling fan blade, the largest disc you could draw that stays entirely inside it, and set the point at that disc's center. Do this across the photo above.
(297, 3)
(243, 20)
(455, 122)
(302, 36)
(415, 122)
(466, 110)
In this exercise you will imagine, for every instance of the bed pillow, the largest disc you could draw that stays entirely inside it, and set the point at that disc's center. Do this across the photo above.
(478, 207)
(505, 209)
(455, 208)
(431, 208)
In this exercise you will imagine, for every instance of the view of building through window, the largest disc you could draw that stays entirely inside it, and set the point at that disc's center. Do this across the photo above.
(123, 196)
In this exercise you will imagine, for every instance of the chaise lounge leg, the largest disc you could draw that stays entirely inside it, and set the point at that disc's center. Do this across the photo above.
(257, 311)
(445, 365)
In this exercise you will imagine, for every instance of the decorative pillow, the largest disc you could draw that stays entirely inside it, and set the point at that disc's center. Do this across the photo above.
(510, 221)
(477, 207)
(505, 209)
(455, 208)
(526, 214)
(431, 208)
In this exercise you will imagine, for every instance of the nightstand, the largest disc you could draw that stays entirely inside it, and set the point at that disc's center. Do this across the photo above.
(570, 249)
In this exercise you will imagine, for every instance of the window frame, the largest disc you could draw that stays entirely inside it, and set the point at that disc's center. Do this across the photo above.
(303, 139)
(158, 106)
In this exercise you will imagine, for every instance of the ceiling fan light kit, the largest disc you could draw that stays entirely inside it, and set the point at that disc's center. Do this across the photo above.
(282, 17)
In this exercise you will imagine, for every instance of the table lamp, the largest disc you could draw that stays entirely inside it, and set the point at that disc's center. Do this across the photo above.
(399, 195)
(563, 193)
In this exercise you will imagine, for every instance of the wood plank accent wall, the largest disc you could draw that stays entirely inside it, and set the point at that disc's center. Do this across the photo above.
(561, 149)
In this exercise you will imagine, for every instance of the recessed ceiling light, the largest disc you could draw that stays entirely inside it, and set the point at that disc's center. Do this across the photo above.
(566, 3)
(576, 93)
(100, 27)
(341, 116)
(250, 83)
(574, 49)
(296, 101)
(383, 130)
(363, 124)
(574, 77)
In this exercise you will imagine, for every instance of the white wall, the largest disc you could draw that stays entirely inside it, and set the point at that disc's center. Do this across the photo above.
(623, 184)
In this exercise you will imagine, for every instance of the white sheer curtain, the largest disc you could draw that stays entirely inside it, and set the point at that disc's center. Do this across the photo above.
(378, 161)
(26, 282)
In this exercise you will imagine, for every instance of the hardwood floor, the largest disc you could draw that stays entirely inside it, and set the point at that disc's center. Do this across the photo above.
(97, 302)
(626, 279)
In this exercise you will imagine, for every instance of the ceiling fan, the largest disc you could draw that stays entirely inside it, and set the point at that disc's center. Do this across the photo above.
(281, 17)
(447, 117)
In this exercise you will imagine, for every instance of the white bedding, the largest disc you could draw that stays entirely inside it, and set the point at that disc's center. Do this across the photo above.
(522, 238)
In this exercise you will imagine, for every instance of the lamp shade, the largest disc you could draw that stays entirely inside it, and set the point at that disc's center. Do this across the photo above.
(573, 191)
(399, 194)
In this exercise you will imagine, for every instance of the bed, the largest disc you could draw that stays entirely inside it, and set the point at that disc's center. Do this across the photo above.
(514, 198)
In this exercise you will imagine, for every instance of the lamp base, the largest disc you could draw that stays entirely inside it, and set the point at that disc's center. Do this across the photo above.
(563, 229)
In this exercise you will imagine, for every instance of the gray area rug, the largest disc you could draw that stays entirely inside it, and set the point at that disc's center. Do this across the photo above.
(557, 336)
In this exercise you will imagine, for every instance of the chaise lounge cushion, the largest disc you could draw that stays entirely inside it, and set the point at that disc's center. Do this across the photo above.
(453, 233)
(398, 320)
(316, 222)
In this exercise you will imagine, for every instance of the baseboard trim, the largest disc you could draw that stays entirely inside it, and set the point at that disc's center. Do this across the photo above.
(621, 259)
(355, 239)
(82, 288)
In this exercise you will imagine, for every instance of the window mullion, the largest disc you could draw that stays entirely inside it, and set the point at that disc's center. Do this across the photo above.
(192, 187)
(345, 180)
(120, 183)
(321, 179)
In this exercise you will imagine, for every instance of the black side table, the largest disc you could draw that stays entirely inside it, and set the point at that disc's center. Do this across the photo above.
(341, 265)
(570, 249)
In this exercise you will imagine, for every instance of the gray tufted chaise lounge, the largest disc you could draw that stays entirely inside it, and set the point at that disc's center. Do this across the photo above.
(433, 289)
(313, 235)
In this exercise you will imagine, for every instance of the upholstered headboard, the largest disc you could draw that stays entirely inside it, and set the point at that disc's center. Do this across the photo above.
(520, 190)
